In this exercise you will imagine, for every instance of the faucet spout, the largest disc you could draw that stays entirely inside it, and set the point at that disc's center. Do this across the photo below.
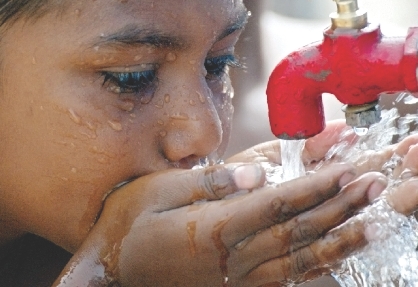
(354, 64)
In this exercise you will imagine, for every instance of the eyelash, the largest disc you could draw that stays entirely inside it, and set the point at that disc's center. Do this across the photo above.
(129, 82)
(138, 82)
(216, 67)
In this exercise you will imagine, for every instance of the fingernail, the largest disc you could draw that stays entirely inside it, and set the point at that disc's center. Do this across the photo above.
(346, 178)
(248, 176)
(407, 174)
(376, 188)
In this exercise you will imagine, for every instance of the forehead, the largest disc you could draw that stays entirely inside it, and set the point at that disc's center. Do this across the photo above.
(170, 16)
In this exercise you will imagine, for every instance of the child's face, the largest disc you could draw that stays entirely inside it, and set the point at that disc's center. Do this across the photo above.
(105, 91)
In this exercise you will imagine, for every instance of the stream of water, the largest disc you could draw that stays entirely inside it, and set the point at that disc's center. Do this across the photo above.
(391, 257)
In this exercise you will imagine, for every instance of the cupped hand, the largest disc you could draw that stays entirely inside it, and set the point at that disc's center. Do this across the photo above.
(176, 228)
(403, 195)
(314, 150)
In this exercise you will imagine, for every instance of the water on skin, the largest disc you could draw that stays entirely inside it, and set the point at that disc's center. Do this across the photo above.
(191, 232)
(390, 258)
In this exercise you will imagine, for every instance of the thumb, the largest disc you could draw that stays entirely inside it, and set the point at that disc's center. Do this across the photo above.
(171, 189)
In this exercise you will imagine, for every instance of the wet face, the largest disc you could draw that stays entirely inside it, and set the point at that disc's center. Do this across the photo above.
(106, 91)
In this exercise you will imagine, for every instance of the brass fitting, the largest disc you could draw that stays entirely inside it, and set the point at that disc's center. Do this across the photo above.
(348, 15)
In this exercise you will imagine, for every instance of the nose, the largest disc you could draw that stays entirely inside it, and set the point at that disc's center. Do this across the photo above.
(193, 128)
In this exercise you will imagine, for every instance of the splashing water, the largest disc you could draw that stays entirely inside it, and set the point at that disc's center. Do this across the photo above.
(291, 152)
(391, 257)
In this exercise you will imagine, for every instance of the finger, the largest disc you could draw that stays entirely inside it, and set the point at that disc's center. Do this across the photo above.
(308, 227)
(403, 147)
(264, 152)
(317, 146)
(336, 245)
(177, 188)
(272, 205)
(409, 166)
(404, 198)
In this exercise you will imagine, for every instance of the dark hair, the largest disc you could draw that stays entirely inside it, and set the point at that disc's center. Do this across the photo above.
(12, 10)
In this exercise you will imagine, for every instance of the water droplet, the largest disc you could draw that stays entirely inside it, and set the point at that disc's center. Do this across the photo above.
(170, 57)
(74, 170)
(192, 62)
(159, 104)
(360, 131)
(192, 103)
(410, 100)
(167, 98)
(146, 99)
(202, 98)
(126, 105)
(74, 117)
(191, 232)
(137, 57)
(33, 60)
(163, 133)
(160, 122)
(180, 116)
(77, 12)
(117, 126)
(91, 126)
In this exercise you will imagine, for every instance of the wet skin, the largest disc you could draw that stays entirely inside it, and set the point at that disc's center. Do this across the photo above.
(69, 135)
(106, 91)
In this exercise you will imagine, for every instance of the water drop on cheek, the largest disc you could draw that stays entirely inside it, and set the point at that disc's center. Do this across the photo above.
(115, 125)
(163, 133)
(160, 104)
(146, 98)
(74, 117)
(170, 57)
(126, 105)
(201, 97)
(167, 98)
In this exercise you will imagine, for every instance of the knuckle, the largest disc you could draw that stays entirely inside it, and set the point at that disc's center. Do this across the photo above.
(301, 262)
(215, 182)
(280, 210)
(304, 234)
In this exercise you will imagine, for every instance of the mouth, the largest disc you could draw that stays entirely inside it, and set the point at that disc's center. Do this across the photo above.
(190, 162)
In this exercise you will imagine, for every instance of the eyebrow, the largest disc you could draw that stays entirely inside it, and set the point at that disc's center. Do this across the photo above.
(132, 35)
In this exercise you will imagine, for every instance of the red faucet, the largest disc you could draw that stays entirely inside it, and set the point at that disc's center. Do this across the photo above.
(354, 64)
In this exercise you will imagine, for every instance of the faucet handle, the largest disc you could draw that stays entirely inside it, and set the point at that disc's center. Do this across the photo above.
(348, 15)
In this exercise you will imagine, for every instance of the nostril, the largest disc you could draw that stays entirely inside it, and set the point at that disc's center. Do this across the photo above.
(188, 162)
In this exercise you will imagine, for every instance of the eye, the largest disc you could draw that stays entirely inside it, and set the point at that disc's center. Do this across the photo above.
(129, 82)
(216, 67)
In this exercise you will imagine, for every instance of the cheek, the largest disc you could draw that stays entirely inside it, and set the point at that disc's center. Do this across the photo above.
(223, 93)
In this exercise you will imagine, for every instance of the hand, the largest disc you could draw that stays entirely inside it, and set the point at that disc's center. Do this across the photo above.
(404, 195)
(151, 234)
(313, 152)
